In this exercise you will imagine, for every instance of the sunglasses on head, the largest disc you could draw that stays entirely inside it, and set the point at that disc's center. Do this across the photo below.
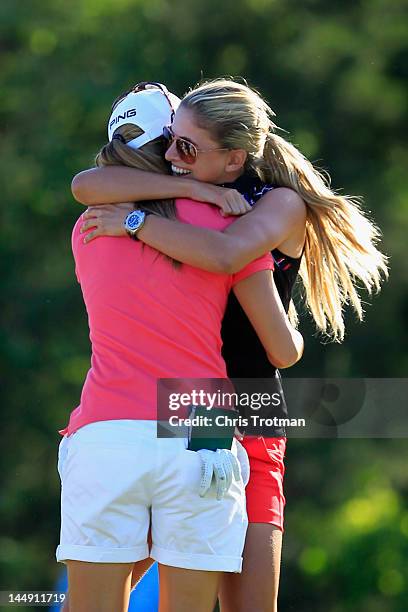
(141, 87)
(186, 150)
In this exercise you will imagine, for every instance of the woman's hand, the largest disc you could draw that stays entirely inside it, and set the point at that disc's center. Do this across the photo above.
(106, 220)
(230, 201)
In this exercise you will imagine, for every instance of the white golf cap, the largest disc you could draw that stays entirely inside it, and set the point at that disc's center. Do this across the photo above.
(151, 108)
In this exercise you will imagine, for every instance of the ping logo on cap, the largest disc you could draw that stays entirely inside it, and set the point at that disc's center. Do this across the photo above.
(129, 113)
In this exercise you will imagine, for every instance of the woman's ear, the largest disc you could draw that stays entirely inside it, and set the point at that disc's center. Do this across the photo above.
(236, 160)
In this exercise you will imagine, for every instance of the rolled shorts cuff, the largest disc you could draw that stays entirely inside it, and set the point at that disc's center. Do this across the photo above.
(97, 554)
(186, 560)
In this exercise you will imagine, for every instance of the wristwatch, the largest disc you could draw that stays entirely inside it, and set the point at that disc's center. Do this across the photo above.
(134, 221)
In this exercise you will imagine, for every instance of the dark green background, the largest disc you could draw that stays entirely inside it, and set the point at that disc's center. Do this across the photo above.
(334, 73)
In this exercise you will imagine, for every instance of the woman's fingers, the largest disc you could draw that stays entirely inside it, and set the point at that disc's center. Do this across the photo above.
(230, 201)
(226, 209)
(91, 236)
(240, 205)
(234, 203)
(91, 213)
(98, 210)
(106, 221)
(245, 206)
(88, 224)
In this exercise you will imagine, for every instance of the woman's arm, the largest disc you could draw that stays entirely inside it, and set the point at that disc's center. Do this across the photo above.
(261, 303)
(279, 214)
(116, 184)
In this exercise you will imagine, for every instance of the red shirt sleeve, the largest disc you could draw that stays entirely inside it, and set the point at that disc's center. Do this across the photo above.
(262, 263)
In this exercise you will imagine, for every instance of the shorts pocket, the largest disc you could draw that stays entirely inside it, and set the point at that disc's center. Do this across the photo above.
(190, 470)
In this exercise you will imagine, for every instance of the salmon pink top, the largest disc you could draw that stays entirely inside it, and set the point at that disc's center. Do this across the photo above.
(148, 319)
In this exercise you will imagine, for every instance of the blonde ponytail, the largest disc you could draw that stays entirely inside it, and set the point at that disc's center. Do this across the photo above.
(340, 246)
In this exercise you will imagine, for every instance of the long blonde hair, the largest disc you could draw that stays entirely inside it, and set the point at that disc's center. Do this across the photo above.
(340, 245)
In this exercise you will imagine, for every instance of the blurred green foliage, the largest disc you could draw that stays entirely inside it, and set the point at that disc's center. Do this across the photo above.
(335, 73)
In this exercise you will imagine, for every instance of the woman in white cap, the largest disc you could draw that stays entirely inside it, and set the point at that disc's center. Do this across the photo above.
(308, 227)
(150, 318)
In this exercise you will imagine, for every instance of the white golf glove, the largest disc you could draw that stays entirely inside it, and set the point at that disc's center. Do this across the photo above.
(222, 465)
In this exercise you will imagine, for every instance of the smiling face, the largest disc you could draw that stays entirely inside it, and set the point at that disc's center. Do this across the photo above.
(213, 165)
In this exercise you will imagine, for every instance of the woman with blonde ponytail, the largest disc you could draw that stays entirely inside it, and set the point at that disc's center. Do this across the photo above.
(308, 227)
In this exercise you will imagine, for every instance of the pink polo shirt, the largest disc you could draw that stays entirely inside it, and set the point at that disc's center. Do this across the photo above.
(148, 319)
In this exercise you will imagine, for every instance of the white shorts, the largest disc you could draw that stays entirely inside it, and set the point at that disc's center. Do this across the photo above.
(118, 479)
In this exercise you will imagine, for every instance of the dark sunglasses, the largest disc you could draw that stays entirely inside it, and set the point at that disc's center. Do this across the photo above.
(186, 150)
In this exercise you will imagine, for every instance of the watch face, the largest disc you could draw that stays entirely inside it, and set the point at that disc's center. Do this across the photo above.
(134, 220)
